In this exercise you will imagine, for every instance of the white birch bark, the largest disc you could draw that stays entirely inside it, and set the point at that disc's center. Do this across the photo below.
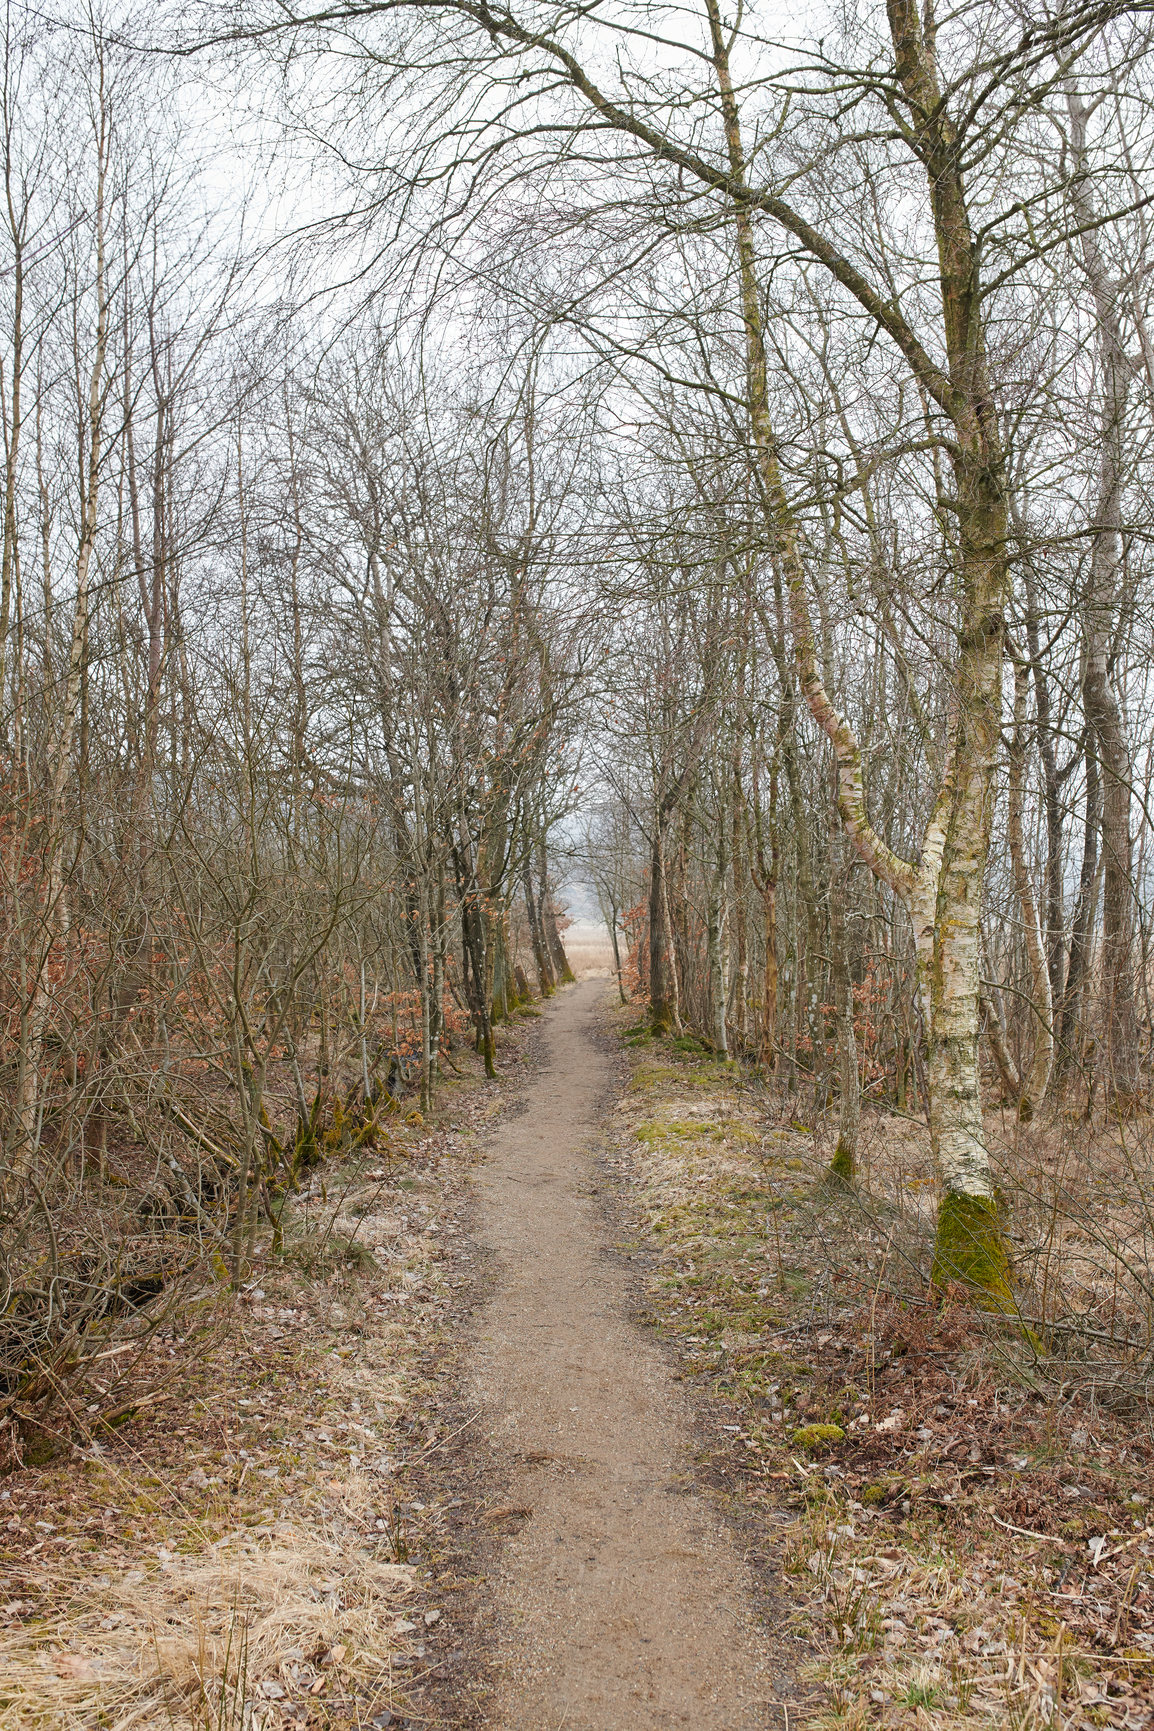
(943, 891)
(1103, 704)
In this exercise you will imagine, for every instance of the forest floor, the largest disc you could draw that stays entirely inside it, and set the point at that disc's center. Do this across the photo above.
(584, 1405)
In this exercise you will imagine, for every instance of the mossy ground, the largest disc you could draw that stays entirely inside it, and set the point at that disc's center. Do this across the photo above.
(817, 1438)
(891, 1431)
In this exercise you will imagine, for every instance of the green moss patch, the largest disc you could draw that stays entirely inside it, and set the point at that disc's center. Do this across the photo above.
(816, 1438)
(840, 1170)
(970, 1249)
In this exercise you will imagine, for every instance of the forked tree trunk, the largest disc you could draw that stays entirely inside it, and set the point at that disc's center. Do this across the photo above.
(560, 960)
(943, 891)
(545, 977)
(615, 941)
(553, 944)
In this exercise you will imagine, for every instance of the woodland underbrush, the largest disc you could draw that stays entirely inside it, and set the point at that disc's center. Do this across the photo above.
(222, 1537)
(972, 1541)
(118, 1247)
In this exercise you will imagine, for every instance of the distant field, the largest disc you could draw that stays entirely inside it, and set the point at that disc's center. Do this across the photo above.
(588, 948)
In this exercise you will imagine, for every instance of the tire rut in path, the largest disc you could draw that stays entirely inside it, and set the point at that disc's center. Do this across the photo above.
(621, 1601)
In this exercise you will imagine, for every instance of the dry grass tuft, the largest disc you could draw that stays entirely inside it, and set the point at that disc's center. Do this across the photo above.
(976, 1549)
(218, 1638)
(248, 1553)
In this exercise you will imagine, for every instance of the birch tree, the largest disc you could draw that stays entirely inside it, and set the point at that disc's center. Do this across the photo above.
(937, 113)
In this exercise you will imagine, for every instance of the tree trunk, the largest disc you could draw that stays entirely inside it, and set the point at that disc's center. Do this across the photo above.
(556, 948)
(843, 1166)
(473, 945)
(769, 976)
(1052, 797)
(499, 950)
(1034, 1082)
(56, 915)
(718, 987)
(541, 961)
(1100, 696)
(1073, 1021)
(764, 875)
(996, 1035)
(944, 891)
(426, 1086)
(662, 1003)
(614, 940)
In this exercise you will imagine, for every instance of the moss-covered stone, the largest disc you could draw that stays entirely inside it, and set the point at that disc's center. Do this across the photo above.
(970, 1249)
(817, 1437)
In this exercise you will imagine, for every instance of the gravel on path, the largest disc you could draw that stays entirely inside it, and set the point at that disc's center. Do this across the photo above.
(622, 1602)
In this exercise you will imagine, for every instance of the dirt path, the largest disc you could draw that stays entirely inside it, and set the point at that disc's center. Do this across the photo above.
(622, 1600)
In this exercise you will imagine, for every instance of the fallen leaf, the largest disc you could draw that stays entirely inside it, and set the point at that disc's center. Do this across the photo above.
(75, 1665)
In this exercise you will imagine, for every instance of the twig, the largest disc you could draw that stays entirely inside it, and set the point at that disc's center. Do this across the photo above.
(1104, 1556)
(1025, 1533)
(441, 1441)
(195, 1135)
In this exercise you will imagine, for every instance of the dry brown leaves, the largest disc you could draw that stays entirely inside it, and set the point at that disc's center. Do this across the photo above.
(978, 1549)
(248, 1555)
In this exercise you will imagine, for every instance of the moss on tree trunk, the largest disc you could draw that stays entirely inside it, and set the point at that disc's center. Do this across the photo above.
(970, 1249)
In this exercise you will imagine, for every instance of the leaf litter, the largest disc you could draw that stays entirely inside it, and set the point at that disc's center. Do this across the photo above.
(253, 1559)
(968, 1544)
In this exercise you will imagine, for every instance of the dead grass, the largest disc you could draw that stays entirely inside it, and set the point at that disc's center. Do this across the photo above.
(974, 1545)
(588, 948)
(246, 1555)
(261, 1615)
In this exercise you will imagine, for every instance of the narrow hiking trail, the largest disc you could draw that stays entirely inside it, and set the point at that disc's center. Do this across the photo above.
(621, 1601)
